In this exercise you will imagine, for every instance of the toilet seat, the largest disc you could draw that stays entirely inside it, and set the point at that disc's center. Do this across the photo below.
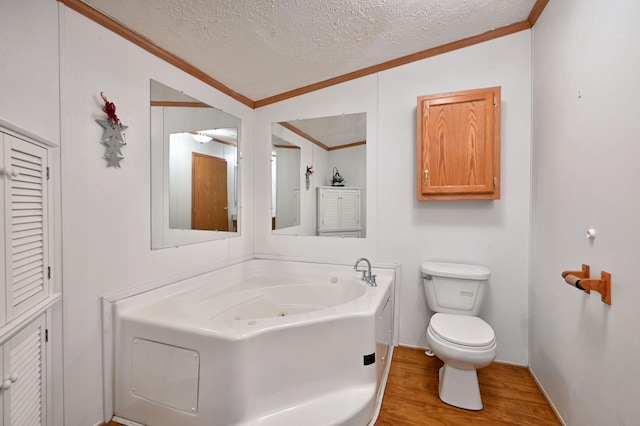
(462, 330)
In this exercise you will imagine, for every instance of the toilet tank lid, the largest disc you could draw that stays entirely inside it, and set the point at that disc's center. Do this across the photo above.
(455, 270)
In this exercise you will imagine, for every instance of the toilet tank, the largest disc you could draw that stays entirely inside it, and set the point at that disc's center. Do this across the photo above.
(454, 288)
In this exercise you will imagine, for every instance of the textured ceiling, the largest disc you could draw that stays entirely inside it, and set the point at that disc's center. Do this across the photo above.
(335, 131)
(261, 48)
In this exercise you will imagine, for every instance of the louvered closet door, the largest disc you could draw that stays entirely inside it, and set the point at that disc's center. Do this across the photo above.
(26, 250)
(24, 366)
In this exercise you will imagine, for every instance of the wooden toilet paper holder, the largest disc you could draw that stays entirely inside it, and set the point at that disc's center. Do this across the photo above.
(581, 280)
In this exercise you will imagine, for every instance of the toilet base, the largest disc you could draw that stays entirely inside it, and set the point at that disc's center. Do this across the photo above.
(459, 387)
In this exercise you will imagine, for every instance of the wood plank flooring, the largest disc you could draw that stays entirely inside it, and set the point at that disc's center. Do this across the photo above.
(509, 394)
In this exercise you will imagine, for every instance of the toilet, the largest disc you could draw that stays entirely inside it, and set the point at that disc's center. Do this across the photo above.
(459, 338)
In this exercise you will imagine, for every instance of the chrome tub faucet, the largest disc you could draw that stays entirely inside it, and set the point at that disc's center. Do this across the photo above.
(366, 273)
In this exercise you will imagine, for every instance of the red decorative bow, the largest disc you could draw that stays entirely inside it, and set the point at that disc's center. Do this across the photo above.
(110, 109)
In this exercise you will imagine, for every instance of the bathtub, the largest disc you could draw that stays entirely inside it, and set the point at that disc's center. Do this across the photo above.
(262, 342)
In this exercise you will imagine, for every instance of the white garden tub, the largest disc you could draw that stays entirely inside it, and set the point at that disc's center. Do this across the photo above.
(262, 342)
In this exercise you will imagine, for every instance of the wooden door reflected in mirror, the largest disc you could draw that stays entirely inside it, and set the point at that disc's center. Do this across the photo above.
(209, 193)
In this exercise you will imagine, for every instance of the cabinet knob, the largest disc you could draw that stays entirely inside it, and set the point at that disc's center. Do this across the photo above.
(9, 172)
(6, 384)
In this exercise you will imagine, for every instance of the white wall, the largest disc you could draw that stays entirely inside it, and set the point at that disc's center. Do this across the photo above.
(106, 223)
(401, 229)
(586, 174)
(29, 96)
(351, 163)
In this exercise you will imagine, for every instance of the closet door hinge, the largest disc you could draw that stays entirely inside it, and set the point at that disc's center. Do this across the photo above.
(49, 272)
(46, 335)
(47, 172)
(495, 181)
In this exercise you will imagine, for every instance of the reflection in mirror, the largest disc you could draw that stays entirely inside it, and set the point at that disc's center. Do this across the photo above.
(286, 185)
(202, 167)
(194, 167)
(330, 201)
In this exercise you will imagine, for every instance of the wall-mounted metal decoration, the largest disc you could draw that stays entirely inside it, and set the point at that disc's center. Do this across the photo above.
(112, 137)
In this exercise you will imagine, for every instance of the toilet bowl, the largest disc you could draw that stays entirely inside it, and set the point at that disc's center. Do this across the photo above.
(460, 339)
(464, 344)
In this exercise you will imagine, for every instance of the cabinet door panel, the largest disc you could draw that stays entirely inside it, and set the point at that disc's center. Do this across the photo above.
(459, 145)
(24, 355)
(25, 224)
(330, 213)
(350, 207)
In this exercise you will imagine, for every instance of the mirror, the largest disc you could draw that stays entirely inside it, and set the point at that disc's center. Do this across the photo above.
(318, 176)
(194, 170)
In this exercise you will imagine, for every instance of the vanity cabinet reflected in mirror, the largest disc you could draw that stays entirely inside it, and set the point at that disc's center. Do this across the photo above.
(194, 170)
(331, 200)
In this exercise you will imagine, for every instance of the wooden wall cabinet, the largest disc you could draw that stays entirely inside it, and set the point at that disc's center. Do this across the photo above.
(458, 145)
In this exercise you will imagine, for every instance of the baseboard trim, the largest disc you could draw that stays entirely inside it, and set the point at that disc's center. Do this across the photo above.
(546, 396)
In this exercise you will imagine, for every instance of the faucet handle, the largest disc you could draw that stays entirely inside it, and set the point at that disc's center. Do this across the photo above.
(372, 280)
(364, 273)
